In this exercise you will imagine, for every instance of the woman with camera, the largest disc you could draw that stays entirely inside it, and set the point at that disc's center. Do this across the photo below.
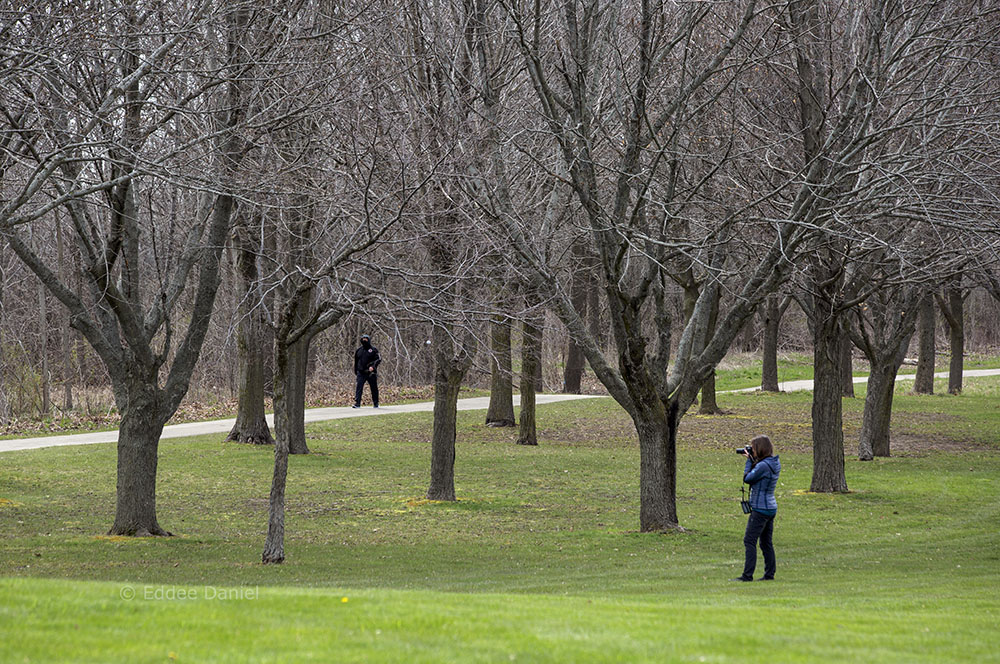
(761, 473)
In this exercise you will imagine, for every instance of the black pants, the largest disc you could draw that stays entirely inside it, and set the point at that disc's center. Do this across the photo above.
(372, 380)
(759, 527)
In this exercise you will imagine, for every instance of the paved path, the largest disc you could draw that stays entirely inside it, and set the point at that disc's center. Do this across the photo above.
(797, 385)
(225, 426)
(320, 414)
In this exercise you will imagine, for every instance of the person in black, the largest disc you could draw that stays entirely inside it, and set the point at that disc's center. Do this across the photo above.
(366, 361)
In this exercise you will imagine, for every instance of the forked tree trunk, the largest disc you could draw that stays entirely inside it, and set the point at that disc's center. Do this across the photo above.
(874, 440)
(924, 381)
(769, 368)
(530, 352)
(846, 367)
(501, 410)
(827, 410)
(446, 386)
(138, 443)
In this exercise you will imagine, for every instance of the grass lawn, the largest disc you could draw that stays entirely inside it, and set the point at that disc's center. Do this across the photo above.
(539, 560)
(742, 370)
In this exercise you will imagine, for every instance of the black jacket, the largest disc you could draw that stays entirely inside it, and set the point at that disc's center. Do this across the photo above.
(366, 357)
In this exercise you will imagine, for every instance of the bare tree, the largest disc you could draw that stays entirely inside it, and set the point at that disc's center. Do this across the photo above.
(104, 110)
(597, 103)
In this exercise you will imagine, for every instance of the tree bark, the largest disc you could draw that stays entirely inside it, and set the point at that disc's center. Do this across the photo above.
(289, 396)
(580, 287)
(539, 377)
(274, 544)
(769, 368)
(846, 367)
(447, 381)
(530, 351)
(874, 440)
(251, 423)
(4, 399)
(573, 371)
(138, 441)
(709, 405)
(43, 331)
(924, 382)
(954, 313)
(656, 426)
(827, 415)
(65, 341)
(501, 410)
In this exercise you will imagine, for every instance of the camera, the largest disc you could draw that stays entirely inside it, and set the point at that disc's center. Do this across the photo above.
(746, 450)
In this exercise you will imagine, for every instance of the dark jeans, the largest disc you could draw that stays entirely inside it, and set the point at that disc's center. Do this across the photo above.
(372, 380)
(759, 527)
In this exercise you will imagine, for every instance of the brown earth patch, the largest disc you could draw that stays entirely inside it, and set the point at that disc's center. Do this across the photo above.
(904, 444)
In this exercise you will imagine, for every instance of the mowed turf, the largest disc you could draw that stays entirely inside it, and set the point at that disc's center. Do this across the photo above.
(539, 560)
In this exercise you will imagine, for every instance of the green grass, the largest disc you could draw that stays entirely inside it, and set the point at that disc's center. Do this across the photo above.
(740, 370)
(538, 561)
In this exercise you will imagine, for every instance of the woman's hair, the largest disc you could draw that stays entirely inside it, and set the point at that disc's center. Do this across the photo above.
(762, 447)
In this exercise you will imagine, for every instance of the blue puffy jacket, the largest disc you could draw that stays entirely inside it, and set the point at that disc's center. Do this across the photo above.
(762, 478)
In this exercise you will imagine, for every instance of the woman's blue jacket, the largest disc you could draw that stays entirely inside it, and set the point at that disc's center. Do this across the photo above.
(762, 478)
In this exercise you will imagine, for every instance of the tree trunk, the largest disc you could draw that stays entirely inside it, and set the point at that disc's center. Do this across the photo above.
(597, 330)
(501, 410)
(657, 429)
(274, 544)
(955, 315)
(65, 342)
(251, 425)
(874, 440)
(531, 349)
(43, 331)
(138, 441)
(846, 367)
(769, 369)
(573, 372)
(539, 378)
(709, 405)
(446, 385)
(289, 396)
(924, 382)
(827, 417)
(4, 399)
(580, 287)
